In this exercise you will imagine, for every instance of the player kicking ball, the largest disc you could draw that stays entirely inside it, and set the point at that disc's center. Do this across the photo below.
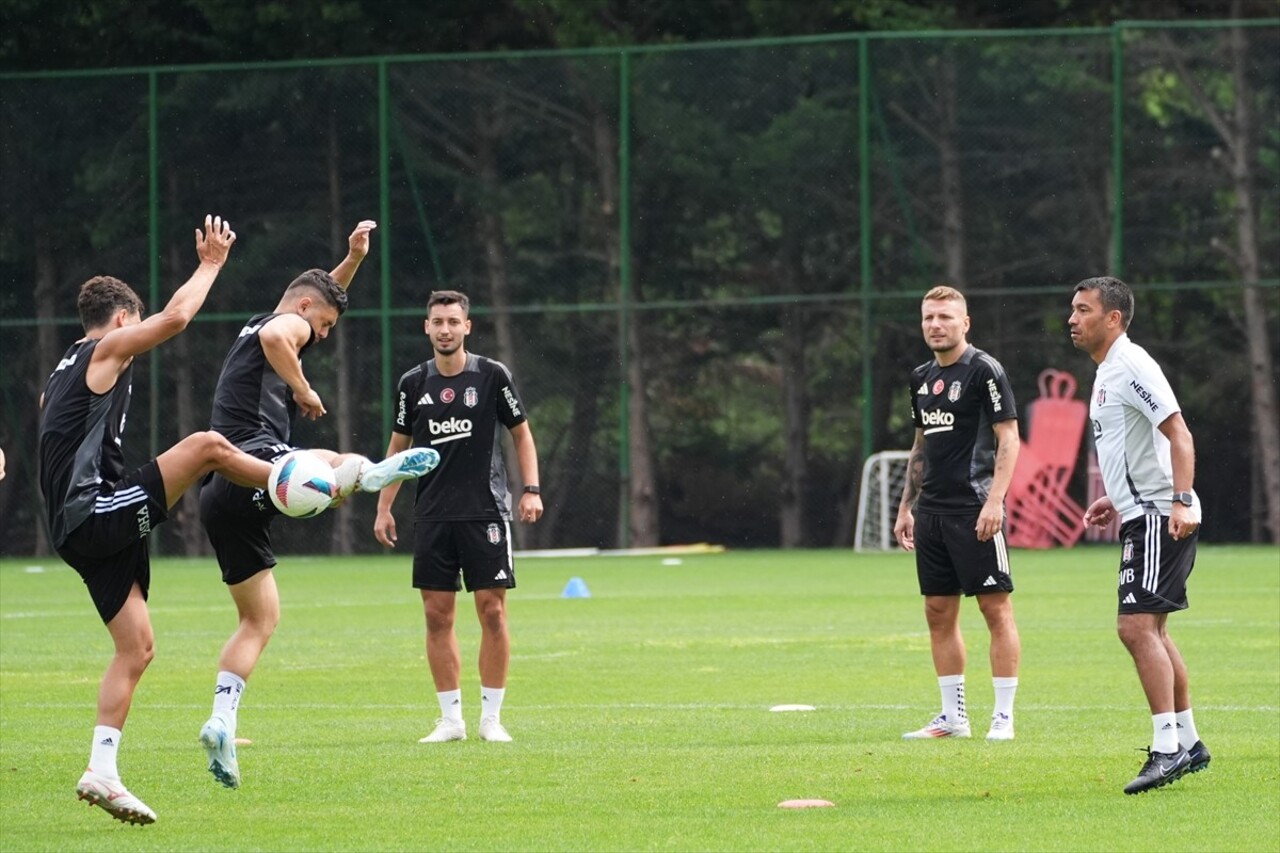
(260, 391)
(99, 512)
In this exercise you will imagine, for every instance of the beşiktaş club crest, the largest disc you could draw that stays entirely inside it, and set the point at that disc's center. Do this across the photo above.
(953, 393)
(470, 397)
(1102, 396)
(1128, 551)
(938, 386)
(494, 533)
(446, 395)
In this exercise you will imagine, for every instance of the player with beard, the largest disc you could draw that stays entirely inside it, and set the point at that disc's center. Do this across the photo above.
(455, 402)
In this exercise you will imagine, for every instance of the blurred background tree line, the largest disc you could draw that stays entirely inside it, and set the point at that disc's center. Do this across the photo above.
(683, 268)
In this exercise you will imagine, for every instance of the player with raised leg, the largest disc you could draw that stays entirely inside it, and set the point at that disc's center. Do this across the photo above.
(99, 514)
(261, 388)
(1147, 457)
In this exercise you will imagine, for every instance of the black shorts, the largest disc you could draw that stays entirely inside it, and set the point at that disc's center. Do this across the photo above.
(950, 559)
(109, 549)
(237, 520)
(1154, 566)
(447, 554)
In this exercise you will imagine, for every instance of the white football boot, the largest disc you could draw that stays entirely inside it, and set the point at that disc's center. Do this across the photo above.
(940, 726)
(446, 730)
(112, 796)
(492, 731)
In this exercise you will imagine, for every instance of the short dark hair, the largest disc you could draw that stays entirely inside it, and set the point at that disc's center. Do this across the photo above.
(449, 297)
(101, 297)
(324, 285)
(1114, 294)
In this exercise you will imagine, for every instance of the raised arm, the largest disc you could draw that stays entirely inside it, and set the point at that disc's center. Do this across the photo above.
(118, 346)
(358, 244)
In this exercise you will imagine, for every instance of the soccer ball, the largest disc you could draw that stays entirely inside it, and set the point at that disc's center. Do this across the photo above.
(301, 484)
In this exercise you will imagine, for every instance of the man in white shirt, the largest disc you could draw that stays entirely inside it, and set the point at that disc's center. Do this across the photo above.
(1147, 458)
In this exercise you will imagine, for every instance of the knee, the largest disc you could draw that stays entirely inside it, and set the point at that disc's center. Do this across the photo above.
(212, 446)
(138, 656)
(262, 624)
(493, 617)
(439, 620)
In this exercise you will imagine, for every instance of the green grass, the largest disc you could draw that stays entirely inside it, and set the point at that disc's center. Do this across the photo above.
(640, 715)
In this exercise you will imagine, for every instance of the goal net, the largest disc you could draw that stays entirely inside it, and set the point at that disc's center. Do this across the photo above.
(883, 477)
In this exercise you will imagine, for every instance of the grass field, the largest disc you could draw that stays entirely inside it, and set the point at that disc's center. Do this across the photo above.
(640, 715)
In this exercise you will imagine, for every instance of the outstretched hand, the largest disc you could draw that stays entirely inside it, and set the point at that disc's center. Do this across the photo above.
(358, 242)
(214, 243)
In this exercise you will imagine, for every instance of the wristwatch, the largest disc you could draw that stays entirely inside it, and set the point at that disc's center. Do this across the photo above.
(1183, 498)
(537, 490)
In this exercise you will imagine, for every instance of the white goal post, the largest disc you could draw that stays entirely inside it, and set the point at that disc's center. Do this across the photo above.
(884, 475)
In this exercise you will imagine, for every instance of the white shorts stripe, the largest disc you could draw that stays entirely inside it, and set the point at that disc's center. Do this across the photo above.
(1002, 553)
(122, 498)
(1151, 554)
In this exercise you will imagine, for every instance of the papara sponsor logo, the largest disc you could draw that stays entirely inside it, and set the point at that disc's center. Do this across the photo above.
(995, 395)
(1144, 395)
(450, 430)
(938, 418)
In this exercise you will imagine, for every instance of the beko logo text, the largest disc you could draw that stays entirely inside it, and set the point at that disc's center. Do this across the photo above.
(938, 418)
(449, 427)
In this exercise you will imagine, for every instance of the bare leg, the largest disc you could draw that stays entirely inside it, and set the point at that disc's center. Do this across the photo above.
(1143, 635)
(442, 642)
(186, 462)
(258, 605)
(134, 648)
(495, 643)
(1181, 681)
(1006, 648)
(942, 612)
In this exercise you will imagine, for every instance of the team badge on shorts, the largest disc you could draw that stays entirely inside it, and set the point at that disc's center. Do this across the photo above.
(494, 534)
(470, 397)
(953, 393)
(1127, 554)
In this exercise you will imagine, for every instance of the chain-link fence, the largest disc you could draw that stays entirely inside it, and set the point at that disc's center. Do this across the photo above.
(703, 263)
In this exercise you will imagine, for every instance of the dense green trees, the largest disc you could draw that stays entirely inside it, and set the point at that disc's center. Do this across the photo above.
(695, 367)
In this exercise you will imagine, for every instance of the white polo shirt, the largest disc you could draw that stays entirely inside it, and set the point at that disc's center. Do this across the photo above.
(1130, 399)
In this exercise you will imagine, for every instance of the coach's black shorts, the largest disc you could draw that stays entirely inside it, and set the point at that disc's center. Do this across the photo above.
(109, 549)
(447, 554)
(1154, 566)
(950, 559)
(237, 520)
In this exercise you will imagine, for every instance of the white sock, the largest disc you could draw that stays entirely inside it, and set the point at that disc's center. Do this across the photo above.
(1005, 689)
(1165, 728)
(226, 698)
(1187, 734)
(450, 704)
(952, 687)
(491, 701)
(102, 759)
